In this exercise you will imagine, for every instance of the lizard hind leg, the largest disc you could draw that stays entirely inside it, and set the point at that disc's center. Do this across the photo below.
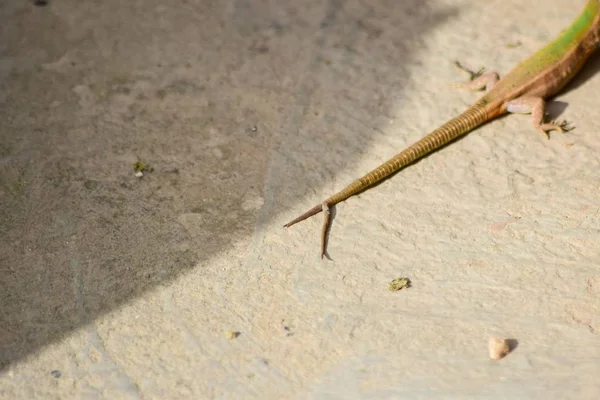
(536, 107)
(478, 80)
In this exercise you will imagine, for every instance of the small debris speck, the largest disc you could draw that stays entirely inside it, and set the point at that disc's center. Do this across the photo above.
(513, 45)
(140, 166)
(254, 128)
(40, 3)
(56, 373)
(232, 334)
(398, 284)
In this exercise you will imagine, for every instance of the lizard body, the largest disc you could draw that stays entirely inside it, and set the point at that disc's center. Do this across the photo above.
(523, 90)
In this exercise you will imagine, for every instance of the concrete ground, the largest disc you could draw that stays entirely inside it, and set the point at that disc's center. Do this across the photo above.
(250, 112)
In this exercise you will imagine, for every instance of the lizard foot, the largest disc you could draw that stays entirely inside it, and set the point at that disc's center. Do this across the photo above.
(563, 126)
(472, 74)
(478, 80)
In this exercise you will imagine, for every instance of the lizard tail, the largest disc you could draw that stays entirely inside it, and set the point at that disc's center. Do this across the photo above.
(456, 127)
(315, 210)
(451, 130)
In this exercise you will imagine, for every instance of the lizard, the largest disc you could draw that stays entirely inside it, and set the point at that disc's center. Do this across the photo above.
(523, 90)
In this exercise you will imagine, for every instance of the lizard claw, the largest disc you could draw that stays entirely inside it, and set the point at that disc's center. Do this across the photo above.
(562, 126)
(478, 80)
(472, 74)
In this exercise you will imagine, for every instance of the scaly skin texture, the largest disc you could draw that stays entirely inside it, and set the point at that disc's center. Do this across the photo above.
(523, 90)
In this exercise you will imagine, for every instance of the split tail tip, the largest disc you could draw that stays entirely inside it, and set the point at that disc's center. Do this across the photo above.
(315, 210)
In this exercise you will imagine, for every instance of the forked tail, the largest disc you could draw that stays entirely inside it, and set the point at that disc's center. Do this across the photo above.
(451, 130)
(315, 210)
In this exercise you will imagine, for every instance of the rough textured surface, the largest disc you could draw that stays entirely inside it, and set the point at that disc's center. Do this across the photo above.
(114, 286)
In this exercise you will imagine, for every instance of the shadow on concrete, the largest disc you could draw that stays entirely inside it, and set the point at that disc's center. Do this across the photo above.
(214, 95)
(512, 344)
(557, 108)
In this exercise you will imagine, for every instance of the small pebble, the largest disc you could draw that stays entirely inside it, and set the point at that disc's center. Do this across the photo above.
(231, 334)
(498, 348)
(139, 174)
(56, 373)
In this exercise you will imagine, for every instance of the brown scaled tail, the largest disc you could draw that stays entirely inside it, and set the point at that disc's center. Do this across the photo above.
(315, 210)
(453, 129)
